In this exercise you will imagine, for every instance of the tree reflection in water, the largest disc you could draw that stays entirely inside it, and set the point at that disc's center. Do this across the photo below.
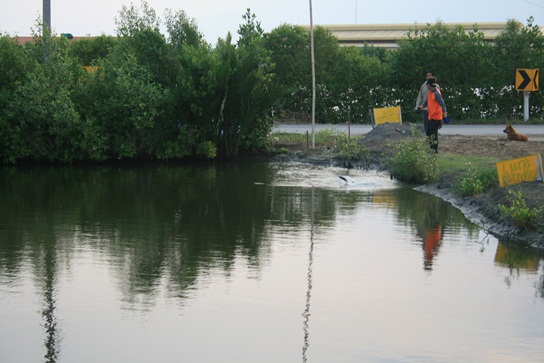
(48, 313)
(160, 230)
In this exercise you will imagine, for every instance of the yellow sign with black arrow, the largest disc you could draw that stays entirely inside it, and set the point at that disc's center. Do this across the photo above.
(527, 79)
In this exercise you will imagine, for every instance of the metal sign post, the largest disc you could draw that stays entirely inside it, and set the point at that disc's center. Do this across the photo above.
(526, 106)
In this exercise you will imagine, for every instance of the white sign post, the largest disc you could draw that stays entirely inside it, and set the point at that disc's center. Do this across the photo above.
(526, 106)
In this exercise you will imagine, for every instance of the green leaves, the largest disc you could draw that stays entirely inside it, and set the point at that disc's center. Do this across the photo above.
(413, 161)
(182, 30)
(520, 214)
(132, 20)
(245, 92)
(477, 77)
(475, 181)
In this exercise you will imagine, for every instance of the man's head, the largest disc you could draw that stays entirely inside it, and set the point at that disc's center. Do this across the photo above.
(428, 75)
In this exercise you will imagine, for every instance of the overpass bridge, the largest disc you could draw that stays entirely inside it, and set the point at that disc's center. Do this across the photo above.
(388, 35)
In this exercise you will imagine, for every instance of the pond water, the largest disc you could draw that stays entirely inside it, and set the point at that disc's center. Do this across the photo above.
(254, 262)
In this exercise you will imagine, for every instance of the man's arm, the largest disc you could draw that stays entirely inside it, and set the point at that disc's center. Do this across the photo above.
(424, 104)
(419, 99)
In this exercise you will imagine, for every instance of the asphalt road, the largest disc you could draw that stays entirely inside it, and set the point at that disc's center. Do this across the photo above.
(447, 129)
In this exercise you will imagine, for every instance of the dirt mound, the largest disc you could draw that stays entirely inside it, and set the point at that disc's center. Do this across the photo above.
(381, 136)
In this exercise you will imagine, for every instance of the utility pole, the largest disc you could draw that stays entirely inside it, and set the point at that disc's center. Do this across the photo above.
(313, 73)
(46, 29)
(47, 14)
(355, 11)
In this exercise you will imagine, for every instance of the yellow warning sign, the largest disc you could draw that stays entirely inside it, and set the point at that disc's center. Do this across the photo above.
(90, 69)
(526, 169)
(527, 79)
(387, 114)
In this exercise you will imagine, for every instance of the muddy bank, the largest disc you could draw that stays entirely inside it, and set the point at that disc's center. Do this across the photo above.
(482, 209)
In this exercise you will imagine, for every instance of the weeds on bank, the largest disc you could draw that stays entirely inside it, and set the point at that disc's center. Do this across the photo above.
(475, 181)
(347, 149)
(350, 150)
(323, 138)
(520, 214)
(413, 161)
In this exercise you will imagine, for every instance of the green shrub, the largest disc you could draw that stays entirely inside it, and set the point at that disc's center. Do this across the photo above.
(519, 213)
(488, 176)
(206, 149)
(475, 181)
(328, 137)
(413, 161)
(349, 150)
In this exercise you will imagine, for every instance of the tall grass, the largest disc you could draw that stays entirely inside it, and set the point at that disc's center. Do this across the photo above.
(448, 162)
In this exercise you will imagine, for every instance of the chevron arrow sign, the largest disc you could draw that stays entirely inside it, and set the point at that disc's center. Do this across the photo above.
(527, 79)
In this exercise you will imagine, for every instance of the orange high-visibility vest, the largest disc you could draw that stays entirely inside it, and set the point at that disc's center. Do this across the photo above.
(434, 108)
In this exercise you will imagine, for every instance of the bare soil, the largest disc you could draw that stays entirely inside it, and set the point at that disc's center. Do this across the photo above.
(482, 209)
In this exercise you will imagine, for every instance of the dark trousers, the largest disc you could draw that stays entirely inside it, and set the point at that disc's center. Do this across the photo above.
(425, 119)
(432, 133)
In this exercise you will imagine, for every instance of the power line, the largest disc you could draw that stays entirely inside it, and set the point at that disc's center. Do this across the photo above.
(532, 3)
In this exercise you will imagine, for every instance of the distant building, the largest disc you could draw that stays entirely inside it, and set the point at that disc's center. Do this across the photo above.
(377, 35)
(388, 35)
(23, 40)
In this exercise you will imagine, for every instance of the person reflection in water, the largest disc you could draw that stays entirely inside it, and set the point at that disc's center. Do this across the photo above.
(431, 245)
(429, 228)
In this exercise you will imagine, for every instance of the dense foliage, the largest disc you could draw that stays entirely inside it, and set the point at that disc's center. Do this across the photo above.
(413, 161)
(147, 95)
(477, 78)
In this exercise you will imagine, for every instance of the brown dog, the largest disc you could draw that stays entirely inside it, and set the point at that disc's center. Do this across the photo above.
(511, 134)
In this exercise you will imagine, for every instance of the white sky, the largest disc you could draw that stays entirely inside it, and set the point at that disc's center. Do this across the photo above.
(217, 17)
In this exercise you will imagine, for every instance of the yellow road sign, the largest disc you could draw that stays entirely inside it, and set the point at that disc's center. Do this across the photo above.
(387, 114)
(528, 168)
(527, 79)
